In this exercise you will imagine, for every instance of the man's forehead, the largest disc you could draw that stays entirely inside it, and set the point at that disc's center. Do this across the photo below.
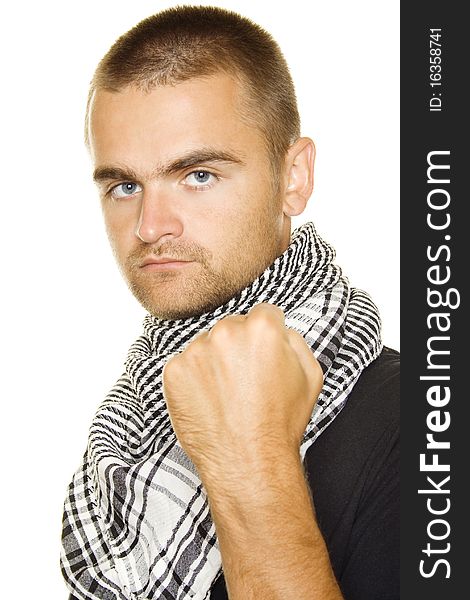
(166, 123)
(200, 102)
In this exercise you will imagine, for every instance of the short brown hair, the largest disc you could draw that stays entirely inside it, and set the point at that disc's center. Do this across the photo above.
(195, 41)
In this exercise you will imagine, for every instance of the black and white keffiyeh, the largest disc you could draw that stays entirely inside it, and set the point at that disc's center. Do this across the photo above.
(137, 523)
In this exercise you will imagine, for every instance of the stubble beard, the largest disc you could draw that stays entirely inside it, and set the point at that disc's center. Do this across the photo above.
(172, 295)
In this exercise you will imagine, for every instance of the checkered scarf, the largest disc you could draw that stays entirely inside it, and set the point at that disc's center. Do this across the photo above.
(137, 523)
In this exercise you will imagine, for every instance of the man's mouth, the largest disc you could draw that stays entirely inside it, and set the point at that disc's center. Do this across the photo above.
(163, 263)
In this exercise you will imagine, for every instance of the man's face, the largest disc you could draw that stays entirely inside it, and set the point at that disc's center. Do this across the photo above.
(187, 193)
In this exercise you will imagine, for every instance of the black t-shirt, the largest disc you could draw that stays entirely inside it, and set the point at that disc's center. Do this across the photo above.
(353, 471)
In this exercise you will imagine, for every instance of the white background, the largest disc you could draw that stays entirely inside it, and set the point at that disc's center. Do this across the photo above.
(67, 318)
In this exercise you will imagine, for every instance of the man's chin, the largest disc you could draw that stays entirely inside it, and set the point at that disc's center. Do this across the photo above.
(174, 313)
(176, 299)
(194, 306)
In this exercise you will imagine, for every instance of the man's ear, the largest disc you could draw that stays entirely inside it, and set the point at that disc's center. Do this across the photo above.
(300, 159)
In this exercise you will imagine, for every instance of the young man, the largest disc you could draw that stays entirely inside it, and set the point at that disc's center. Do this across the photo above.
(249, 450)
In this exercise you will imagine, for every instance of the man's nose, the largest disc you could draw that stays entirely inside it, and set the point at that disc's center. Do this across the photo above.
(158, 217)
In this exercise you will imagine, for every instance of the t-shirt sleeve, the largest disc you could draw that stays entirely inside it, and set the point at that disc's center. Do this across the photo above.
(371, 566)
(353, 471)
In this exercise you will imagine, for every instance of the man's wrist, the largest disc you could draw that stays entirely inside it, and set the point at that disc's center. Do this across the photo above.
(269, 537)
(260, 487)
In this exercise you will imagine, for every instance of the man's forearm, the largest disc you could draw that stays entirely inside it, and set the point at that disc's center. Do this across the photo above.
(240, 397)
(271, 545)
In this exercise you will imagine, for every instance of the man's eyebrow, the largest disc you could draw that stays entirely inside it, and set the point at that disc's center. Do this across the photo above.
(191, 159)
(197, 157)
(108, 173)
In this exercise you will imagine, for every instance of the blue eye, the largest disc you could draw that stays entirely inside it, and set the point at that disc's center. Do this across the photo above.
(201, 176)
(124, 190)
(199, 179)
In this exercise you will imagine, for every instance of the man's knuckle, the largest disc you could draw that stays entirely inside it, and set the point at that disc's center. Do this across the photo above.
(223, 331)
(171, 368)
(266, 316)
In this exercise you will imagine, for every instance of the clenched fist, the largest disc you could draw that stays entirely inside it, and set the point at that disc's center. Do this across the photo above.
(241, 394)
